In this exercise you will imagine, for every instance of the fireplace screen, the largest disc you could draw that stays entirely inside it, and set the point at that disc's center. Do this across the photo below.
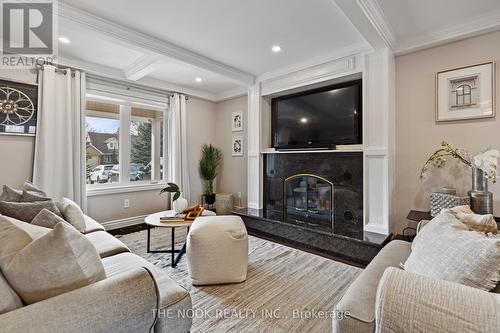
(309, 202)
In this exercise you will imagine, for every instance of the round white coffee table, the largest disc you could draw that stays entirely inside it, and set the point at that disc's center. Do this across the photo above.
(153, 221)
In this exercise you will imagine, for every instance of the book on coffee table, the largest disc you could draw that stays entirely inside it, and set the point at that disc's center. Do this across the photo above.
(173, 218)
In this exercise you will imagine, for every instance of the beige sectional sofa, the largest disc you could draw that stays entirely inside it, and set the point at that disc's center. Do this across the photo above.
(134, 297)
(385, 298)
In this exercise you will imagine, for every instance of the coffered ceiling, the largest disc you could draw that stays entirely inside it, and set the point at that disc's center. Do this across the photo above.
(226, 44)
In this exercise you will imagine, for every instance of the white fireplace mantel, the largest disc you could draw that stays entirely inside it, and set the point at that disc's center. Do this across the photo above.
(377, 70)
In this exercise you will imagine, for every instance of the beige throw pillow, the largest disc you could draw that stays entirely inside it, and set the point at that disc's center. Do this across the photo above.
(28, 196)
(445, 249)
(32, 188)
(72, 213)
(10, 195)
(484, 223)
(26, 211)
(58, 262)
(47, 219)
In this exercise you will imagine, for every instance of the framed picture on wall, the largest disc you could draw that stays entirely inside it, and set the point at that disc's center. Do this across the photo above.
(237, 121)
(466, 93)
(237, 146)
(18, 108)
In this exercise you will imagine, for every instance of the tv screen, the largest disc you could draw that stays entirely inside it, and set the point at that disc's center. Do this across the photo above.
(320, 118)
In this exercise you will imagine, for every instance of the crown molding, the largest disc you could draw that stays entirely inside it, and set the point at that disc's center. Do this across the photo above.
(148, 44)
(477, 26)
(376, 16)
(116, 74)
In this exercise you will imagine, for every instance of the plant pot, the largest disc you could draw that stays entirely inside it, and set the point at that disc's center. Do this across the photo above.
(180, 205)
(210, 198)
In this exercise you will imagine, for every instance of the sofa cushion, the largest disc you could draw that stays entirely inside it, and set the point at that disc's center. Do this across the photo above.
(105, 244)
(72, 213)
(26, 211)
(92, 225)
(359, 299)
(445, 249)
(47, 219)
(60, 261)
(170, 291)
(8, 298)
(10, 195)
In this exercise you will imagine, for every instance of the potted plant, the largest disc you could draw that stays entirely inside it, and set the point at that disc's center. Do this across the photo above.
(211, 158)
(179, 204)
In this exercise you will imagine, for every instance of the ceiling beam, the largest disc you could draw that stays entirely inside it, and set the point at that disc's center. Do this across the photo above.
(141, 68)
(69, 15)
(369, 19)
(116, 74)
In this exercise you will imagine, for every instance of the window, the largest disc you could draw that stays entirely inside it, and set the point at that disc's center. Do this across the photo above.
(464, 95)
(123, 133)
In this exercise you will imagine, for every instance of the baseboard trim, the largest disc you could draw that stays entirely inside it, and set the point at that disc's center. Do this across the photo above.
(122, 223)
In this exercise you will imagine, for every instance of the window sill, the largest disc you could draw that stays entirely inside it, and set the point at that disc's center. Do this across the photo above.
(128, 188)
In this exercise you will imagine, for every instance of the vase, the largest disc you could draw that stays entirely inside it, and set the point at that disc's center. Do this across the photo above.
(180, 205)
(481, 200)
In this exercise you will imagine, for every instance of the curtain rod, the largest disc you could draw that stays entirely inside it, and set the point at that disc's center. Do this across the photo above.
(127, 85)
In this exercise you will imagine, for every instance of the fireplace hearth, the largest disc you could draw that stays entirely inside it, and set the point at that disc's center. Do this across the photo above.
(315, 201)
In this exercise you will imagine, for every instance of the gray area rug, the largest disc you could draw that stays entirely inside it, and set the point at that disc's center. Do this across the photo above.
(286, 289)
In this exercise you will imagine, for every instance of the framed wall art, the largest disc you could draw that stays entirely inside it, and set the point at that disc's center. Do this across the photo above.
(237, 121)
(18, 108)
(237, 146)
(466, 93)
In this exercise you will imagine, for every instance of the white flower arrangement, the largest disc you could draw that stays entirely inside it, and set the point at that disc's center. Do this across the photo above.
(487, 161)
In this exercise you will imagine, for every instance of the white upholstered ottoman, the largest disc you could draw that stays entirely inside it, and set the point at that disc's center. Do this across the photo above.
(217, 250)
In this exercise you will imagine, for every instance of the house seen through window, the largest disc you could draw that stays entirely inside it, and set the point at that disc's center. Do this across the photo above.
(126, 134)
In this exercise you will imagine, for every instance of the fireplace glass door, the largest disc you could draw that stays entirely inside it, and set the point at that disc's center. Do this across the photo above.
(309, 202)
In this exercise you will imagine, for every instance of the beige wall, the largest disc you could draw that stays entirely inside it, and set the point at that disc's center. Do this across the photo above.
(417, 133)
(233, 173)
(16, 152)
(201, 130)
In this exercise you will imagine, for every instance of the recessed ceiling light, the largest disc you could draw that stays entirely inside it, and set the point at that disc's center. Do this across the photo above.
(276, 48)
(304, 120)
(198, 79)
(64, 40)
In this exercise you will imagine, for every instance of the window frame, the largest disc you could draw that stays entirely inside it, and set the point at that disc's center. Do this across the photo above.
(125, 117)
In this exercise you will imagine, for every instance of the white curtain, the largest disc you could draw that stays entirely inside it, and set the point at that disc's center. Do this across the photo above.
(178, 171)
(59, 167)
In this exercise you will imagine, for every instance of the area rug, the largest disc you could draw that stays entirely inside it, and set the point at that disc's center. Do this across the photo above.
(287, 290)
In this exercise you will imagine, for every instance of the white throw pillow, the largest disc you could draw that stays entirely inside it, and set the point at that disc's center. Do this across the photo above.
(445, 249)
(58, 262)
(47, 219)
(72, 214)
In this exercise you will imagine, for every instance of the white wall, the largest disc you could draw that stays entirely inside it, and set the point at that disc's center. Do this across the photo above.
(233, 173)
(417, 133)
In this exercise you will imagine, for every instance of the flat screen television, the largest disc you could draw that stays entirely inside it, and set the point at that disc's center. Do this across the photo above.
(318, 119)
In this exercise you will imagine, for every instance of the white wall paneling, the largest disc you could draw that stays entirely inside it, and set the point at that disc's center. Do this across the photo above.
(254, 147)
(378, 142)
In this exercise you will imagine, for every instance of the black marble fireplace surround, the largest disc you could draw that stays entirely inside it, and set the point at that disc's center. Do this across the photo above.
(315, 200)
